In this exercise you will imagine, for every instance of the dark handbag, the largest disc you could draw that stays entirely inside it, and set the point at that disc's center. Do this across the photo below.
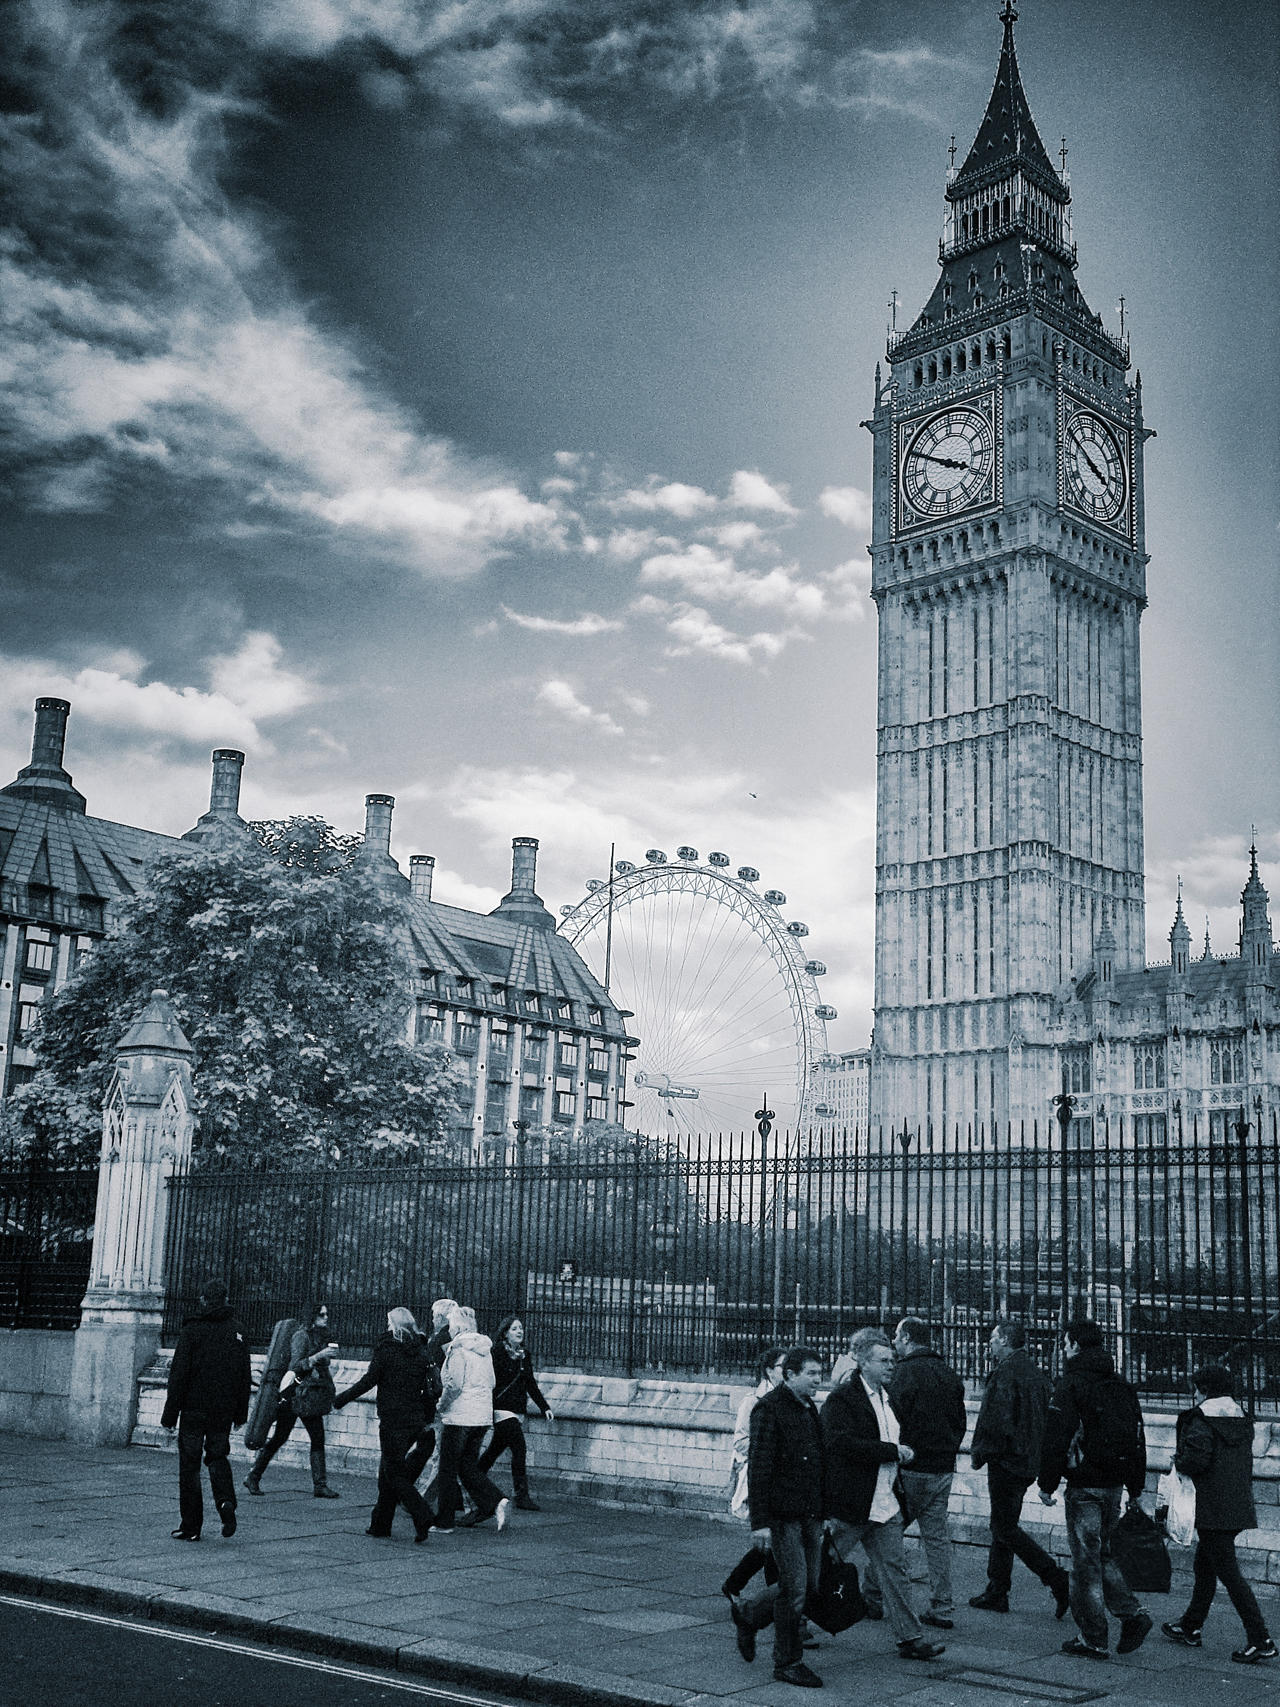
(837, 1601)
(1137, 1546)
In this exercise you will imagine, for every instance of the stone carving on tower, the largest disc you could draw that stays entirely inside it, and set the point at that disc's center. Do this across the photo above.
(1009, 579)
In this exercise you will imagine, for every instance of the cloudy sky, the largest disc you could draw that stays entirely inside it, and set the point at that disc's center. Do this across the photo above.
(462, 401)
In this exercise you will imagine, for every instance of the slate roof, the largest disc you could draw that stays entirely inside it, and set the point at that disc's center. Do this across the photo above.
(84, 861)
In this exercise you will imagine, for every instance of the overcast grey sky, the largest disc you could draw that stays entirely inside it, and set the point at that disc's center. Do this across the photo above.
(462, 401)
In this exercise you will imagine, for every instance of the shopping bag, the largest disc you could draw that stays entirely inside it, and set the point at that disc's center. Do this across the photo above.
(837, 1602)
(1137, 1546)
(1177, 1494)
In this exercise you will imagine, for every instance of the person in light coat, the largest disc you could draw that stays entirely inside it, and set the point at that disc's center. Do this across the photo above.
(463, 1416)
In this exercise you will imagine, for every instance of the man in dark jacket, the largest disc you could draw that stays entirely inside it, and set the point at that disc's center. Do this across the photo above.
(1007, 1438)
(928, 1398)
(404, 1373)
(784, 1499)
(861, 1438)
(208, 1396)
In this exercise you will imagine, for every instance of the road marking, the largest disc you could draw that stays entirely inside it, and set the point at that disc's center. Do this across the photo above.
(332, 1668)
(1030, 1688)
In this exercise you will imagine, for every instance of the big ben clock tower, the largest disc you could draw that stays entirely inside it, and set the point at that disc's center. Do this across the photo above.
(1008, 572)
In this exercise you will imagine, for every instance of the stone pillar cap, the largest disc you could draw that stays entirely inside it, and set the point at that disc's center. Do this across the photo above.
(155, 1031)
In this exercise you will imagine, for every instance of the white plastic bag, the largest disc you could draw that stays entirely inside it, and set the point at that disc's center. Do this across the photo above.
(1177, 1494)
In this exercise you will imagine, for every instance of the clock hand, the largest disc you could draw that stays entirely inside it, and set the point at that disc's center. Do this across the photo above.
(1084, 452)
(942, 461)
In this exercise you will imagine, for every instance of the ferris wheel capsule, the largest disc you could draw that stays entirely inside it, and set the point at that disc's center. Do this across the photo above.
(826, 1012)
(566, 909)
(655, 856)
(795, 928)
(748, 874)
(815, 968)
(775, 897)
(594, 883)
(687, 853)
(624, 867)
(717, 859)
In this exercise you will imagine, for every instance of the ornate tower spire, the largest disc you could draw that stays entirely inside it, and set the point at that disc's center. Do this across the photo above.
(1180, 941)
(1255, 923)
(1208, 947)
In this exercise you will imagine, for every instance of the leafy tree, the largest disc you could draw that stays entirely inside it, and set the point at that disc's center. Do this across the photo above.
(308, 842)
(293, 987)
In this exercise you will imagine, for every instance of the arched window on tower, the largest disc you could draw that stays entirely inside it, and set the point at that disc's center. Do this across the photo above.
(986, 218)
(933, 370)
(991, 343)
(1006, 344)
(962, 360)
(975, 355)
(946, 365)
(917, 378)
(1006, 210)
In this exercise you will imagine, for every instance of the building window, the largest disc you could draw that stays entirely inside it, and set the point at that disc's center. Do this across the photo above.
(430, 1024)
(1226, 1061)
(532, 1004)
(27, 1015)
(466, 1034)
(1077, 1072)
(39, 957)
(564, 1010)
(1148, 1066)
(566, 1105)
(535, 1051)
(599, 1061)
(595, 1016)
(597, 1108)
(568, 1052)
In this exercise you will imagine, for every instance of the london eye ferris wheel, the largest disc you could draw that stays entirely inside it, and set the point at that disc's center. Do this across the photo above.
(720, 988)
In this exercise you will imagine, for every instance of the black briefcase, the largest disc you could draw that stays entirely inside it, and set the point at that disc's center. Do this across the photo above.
(1137, 1546)
(837, 1602)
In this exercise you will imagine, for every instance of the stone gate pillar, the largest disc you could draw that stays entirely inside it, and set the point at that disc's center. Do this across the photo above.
(146, 1135)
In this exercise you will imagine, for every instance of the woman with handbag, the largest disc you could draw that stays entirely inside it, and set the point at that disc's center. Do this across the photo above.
(308, 1397)
(768, 1375)
(408, 1383)
(1214, 1447)
(514, 1384)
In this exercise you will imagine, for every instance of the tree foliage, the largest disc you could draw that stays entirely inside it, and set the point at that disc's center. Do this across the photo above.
(292, 984)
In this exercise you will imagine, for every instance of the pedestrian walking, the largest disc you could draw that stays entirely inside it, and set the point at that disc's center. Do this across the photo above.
(464, 1415)
(308, 1398)
(514, 1386)
(208, 1395)
(845, 1364)
(1214, 1447)
(768, 1375)
(864, 1451)
(784, 1500)
(404, 1373)
(1008, 1438)
(928, 1399)
(423, 1449)
(1094, 1439)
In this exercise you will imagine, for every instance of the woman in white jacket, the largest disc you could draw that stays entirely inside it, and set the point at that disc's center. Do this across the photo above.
(463, 1415)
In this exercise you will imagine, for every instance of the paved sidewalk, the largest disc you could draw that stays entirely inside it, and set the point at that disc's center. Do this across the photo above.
(575, 1605)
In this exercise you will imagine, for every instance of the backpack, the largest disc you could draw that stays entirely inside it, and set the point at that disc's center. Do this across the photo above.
(1110, 1436)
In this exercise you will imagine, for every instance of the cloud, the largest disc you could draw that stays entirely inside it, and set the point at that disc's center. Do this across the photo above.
(694, 630)
(248, 687)
(751, 491)
(847, 504)
(585, 625)
(705, 574)
(738, 536)
(676, 498)
(560, 697)
(150, 335)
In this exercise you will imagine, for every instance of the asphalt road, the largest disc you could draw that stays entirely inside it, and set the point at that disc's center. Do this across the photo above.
(64, 1657)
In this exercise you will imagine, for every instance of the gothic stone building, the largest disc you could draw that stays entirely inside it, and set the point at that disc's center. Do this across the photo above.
(541, 1040)
(1009, 575)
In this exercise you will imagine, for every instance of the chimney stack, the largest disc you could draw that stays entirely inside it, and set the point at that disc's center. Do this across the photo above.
(224, 794)
(524, 864)
(377, 823)
(44, 778)
(422, 869)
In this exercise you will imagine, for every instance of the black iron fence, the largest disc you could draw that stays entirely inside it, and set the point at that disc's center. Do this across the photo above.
(46, 1241)
(688, 1259)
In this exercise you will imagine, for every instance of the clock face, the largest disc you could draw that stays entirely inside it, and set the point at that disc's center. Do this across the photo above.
(1093, 466)
(947, 463)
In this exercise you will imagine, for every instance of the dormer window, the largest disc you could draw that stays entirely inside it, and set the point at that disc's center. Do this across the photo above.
(977, 300)
(973, 281)
(946, 290)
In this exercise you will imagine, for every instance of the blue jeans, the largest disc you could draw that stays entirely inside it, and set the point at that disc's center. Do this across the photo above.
(796, 1546)
(1097, 1585)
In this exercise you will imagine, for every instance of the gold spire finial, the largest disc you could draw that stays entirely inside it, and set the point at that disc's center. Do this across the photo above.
(1009, 16)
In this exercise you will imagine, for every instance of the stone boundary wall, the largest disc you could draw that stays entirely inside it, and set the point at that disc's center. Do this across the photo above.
(35, 1381)
(648, 1444)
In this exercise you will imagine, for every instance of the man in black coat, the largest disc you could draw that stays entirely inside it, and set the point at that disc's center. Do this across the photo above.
(1007, 1438)
(1094, 1439)
(784, 1500)
(928, 1398)
(864, 1452)
(208, 1396)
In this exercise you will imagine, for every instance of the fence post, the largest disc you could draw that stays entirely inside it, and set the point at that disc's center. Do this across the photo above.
(146, 1135)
